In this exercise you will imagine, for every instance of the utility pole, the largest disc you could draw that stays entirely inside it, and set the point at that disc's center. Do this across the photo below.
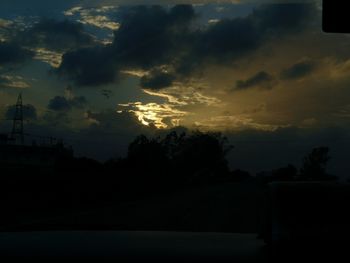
(17, 128)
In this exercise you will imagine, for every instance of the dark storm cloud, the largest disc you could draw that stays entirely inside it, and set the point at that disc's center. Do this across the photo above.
(231, 39)
(283, 18)
(153, 36)
(34, 7)
(29, 112)
(90, 66)
(12, 53)
(148, 36)
(157, 80)
(110, 119)
(59, 103)
(299, 70)
(261, 79)
(56, 35)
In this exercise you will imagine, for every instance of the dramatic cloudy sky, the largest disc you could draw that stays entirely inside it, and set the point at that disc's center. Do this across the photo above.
(98, 73)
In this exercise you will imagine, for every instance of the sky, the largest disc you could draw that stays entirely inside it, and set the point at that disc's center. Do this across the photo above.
(99, 73)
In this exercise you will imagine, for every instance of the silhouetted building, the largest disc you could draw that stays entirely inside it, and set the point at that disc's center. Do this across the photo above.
(12, 156)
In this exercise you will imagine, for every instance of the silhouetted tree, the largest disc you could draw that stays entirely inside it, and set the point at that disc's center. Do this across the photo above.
(198, 156)
(176, 159)
(315, 164)
(146, 152)
(147, 162)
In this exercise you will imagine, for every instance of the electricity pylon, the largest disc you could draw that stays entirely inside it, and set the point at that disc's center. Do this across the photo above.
(17, 128)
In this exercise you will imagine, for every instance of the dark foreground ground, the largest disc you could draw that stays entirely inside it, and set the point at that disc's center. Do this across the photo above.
(126, 246)
(133, 246)
(55, 220)
(230, 207)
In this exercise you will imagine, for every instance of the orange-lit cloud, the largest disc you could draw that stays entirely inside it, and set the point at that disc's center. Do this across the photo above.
(94, 16)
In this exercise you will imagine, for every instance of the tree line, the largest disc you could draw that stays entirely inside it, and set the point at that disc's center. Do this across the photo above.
(187, 159)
